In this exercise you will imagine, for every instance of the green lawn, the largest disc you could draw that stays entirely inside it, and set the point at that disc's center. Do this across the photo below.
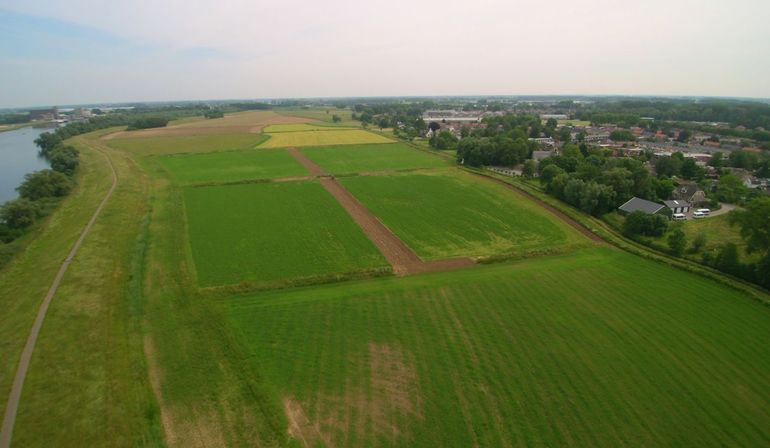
(718, 232)
(273, 231)
(595, 348)
(231, 166)
(186, 144)
(456, 214)
(365, 158)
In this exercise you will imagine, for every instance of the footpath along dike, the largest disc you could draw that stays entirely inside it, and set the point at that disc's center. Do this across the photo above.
(14, 397)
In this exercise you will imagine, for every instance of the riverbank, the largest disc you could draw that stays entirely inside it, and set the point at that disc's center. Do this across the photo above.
(18, 156)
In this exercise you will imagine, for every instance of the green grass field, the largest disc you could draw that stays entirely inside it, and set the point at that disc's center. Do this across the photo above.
(455, 214)
(273, 231)
(145, 344)
(322, 114)
(231, 166)
(718, 232)
(367, 158)
(303, 127)
(322, 138)
(596, 348)
(186, 144)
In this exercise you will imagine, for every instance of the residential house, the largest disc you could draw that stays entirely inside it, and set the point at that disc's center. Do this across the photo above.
(678, 206)
(689, 192)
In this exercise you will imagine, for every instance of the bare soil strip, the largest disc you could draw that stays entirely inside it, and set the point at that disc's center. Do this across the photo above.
(21, 372)
(403, 260)
(309, 165)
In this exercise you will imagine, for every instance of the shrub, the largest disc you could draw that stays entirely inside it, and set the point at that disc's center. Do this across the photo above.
(43, 184)
(640, 223)
(19, 213)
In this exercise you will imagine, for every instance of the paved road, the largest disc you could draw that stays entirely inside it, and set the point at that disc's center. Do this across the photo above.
(21, 372)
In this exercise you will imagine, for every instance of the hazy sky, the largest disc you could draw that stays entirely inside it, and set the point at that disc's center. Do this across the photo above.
(80, 51)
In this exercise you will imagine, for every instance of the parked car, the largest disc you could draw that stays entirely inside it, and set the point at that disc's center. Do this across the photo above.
(678, 217)
(703, 211)
(699, 214)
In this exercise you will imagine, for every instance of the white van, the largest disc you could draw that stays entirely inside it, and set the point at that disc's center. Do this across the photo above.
(699, 215)
(678, 217)
(703, 211)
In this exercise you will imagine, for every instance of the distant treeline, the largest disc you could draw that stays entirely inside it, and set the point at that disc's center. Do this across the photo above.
(15, 118)
(627, 112)
(147, 123)
(249, 106)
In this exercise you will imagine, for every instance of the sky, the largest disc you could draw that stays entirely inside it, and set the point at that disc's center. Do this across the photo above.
(91, 51)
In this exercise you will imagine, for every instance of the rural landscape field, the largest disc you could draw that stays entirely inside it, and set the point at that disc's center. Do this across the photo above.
(283, 280)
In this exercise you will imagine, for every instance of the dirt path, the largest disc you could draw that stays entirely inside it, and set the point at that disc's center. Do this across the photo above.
(553, 210)
(309, 165)
(403, 260)
(26, 355)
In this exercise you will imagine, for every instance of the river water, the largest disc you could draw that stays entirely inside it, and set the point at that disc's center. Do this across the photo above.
(18, 156)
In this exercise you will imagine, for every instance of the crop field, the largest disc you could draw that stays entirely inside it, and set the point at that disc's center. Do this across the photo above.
(596, 348)
(231, 166)
(322, 138)
(369, 158)
(321, 114)
(187, 144)
(272, 231)
(455, 214)
(304, 127)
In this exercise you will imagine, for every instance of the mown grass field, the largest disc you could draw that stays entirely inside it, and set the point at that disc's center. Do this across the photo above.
(595, 348)
(186, 144)
(231, 166)
(273, 231)
(454, 214)
(303, 127)
(322, 138)
(370, 158)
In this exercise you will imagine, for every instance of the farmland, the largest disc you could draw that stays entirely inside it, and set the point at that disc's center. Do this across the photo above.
(322, 138)
(449, 215)
(231, 166)
(216, 306)
(270, 232)
(186, 144)
(323, 115)
(370, 158)
(595, 348)
(303, 127)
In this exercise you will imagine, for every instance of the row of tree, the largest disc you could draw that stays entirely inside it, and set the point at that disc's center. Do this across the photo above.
(39, 192)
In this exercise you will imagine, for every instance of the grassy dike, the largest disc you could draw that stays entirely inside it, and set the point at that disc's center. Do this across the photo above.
(86, 385)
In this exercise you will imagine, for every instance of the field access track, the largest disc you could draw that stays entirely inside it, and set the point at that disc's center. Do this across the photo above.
(403, 260)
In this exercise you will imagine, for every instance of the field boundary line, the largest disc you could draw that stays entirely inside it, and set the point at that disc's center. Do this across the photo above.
(400, 256)
(14, 397)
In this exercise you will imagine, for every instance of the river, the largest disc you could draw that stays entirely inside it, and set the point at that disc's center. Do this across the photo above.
(18, 156)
